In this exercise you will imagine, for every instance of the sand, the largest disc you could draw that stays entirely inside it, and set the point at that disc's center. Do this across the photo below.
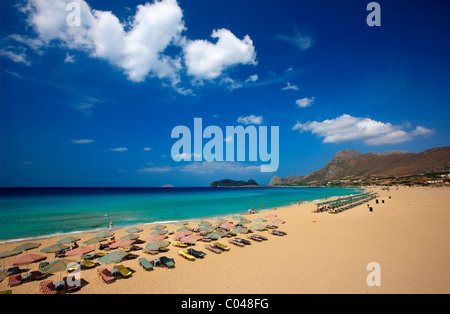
(408, 236)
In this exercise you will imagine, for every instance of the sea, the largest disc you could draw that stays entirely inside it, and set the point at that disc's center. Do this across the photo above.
(27, 213)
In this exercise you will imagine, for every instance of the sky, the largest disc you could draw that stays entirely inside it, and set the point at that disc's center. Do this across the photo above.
(91, 91)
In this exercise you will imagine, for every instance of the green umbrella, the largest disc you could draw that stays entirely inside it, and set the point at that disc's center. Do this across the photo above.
(220, 220)
(68, 240)
(55, 248)
(113, 257)
(159, 232)
(207, 229)
(258, 227)
(55, 267)
(26, 246)
(244, 221)
(105, 234)
(240, 230)
(260, 219)
(5, 254)
(130, 236)
(94, 240)
(158, 227)
(184, 228)
(181, 223)
(134, 230)
(216, 235)
(156, 245)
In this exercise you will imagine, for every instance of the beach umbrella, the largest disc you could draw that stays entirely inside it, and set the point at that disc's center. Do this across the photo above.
(56, 266)
(220, 220)
(244, 221)
(55, 248)
(190, 239)
(68, 240)
(260, 219)
(181, 223)
(26, 246)
(155, 237)
(134, 230)
(240, 230)
(182, 233)
(184, 228)
(94, 240)
(278, 221)
(270, 216)
(158, 227)
(122, 243)
(207, 229)
(160, 231)
(130, 236)
(81, 250)
(27, 259)
(236, 217)
(113, 257)
(5, 254)
(227, 225)
(258, 227)
(216, 235)
(105, 234)
(156, 245)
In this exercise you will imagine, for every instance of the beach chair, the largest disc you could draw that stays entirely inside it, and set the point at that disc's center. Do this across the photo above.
(106, 275)
(254, 238)
(15, 280)
(88, 264)
(152, 252)
(278, 233)
(195, 253)
(179, 244)
(124, 271)
(240, 240)
(233, 241)
(212, 249)
(187, 256)
(70, 287)
(47, 287)
(168, 262)
(145, 264)
(38, 275)
(221, 246)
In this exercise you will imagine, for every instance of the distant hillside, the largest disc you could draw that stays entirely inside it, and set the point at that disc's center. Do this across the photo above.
(232, 183)
(350, 164)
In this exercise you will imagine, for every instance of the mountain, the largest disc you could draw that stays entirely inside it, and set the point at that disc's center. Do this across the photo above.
(232, 183)
(352, 165)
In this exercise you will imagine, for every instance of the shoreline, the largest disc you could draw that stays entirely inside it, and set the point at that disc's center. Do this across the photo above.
(96, 230)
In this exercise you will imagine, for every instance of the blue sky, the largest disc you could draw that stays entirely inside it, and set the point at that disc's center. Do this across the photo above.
(95, 104)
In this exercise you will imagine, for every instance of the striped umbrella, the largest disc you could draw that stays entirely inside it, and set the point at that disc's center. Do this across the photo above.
(68, 240)
(113, 257)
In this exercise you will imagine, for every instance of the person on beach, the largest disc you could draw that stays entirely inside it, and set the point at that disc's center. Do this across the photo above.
(75, 245)
(110, 225)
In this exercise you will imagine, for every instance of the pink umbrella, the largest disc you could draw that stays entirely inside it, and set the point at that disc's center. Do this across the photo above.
(278, 221)
(122, 243)
(271, 216)
(227, 225)
(190, 239)
(27, 259)
(81, 250)
(155, 237)
(181, 234)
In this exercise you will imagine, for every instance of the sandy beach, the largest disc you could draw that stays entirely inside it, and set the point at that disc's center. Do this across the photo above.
(408, 236)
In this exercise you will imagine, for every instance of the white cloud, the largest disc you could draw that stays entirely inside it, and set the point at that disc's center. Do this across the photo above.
(251, 119)
(305, 102)
(155, 170)
(222, 166)
(119, 149)
(290, 87)
(347, 128)
(82, 141)
(300, 40)
(207, 61)
(69, 58)
(146, 149)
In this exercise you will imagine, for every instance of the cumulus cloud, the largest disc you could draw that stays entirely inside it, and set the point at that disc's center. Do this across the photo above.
(347, 128)
(305, 102)
(251, 119)
(207, 61)
(82, 141)
(138, 45)
(119, 149)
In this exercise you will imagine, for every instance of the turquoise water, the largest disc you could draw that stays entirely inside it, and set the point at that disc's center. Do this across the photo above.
(36, 212)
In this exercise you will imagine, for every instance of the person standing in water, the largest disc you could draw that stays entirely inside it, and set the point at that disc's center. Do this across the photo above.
(110, 225)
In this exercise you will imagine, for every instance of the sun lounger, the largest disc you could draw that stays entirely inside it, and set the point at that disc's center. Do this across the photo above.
(221, 246)
(212, 248)
(38, 275)
(145, 264)
(15, 280)
(271, 227)
(255, 238)
(240, 240)
(47, 287)
(278, 233)
(261, 237)
(12, 269)
(124, 271)
(88, 264)
(152, 252)
(187, 256)
(106, 275)
(179, 244)
(195, 253)
(233, 241)
(168, 262)
(70, 287)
